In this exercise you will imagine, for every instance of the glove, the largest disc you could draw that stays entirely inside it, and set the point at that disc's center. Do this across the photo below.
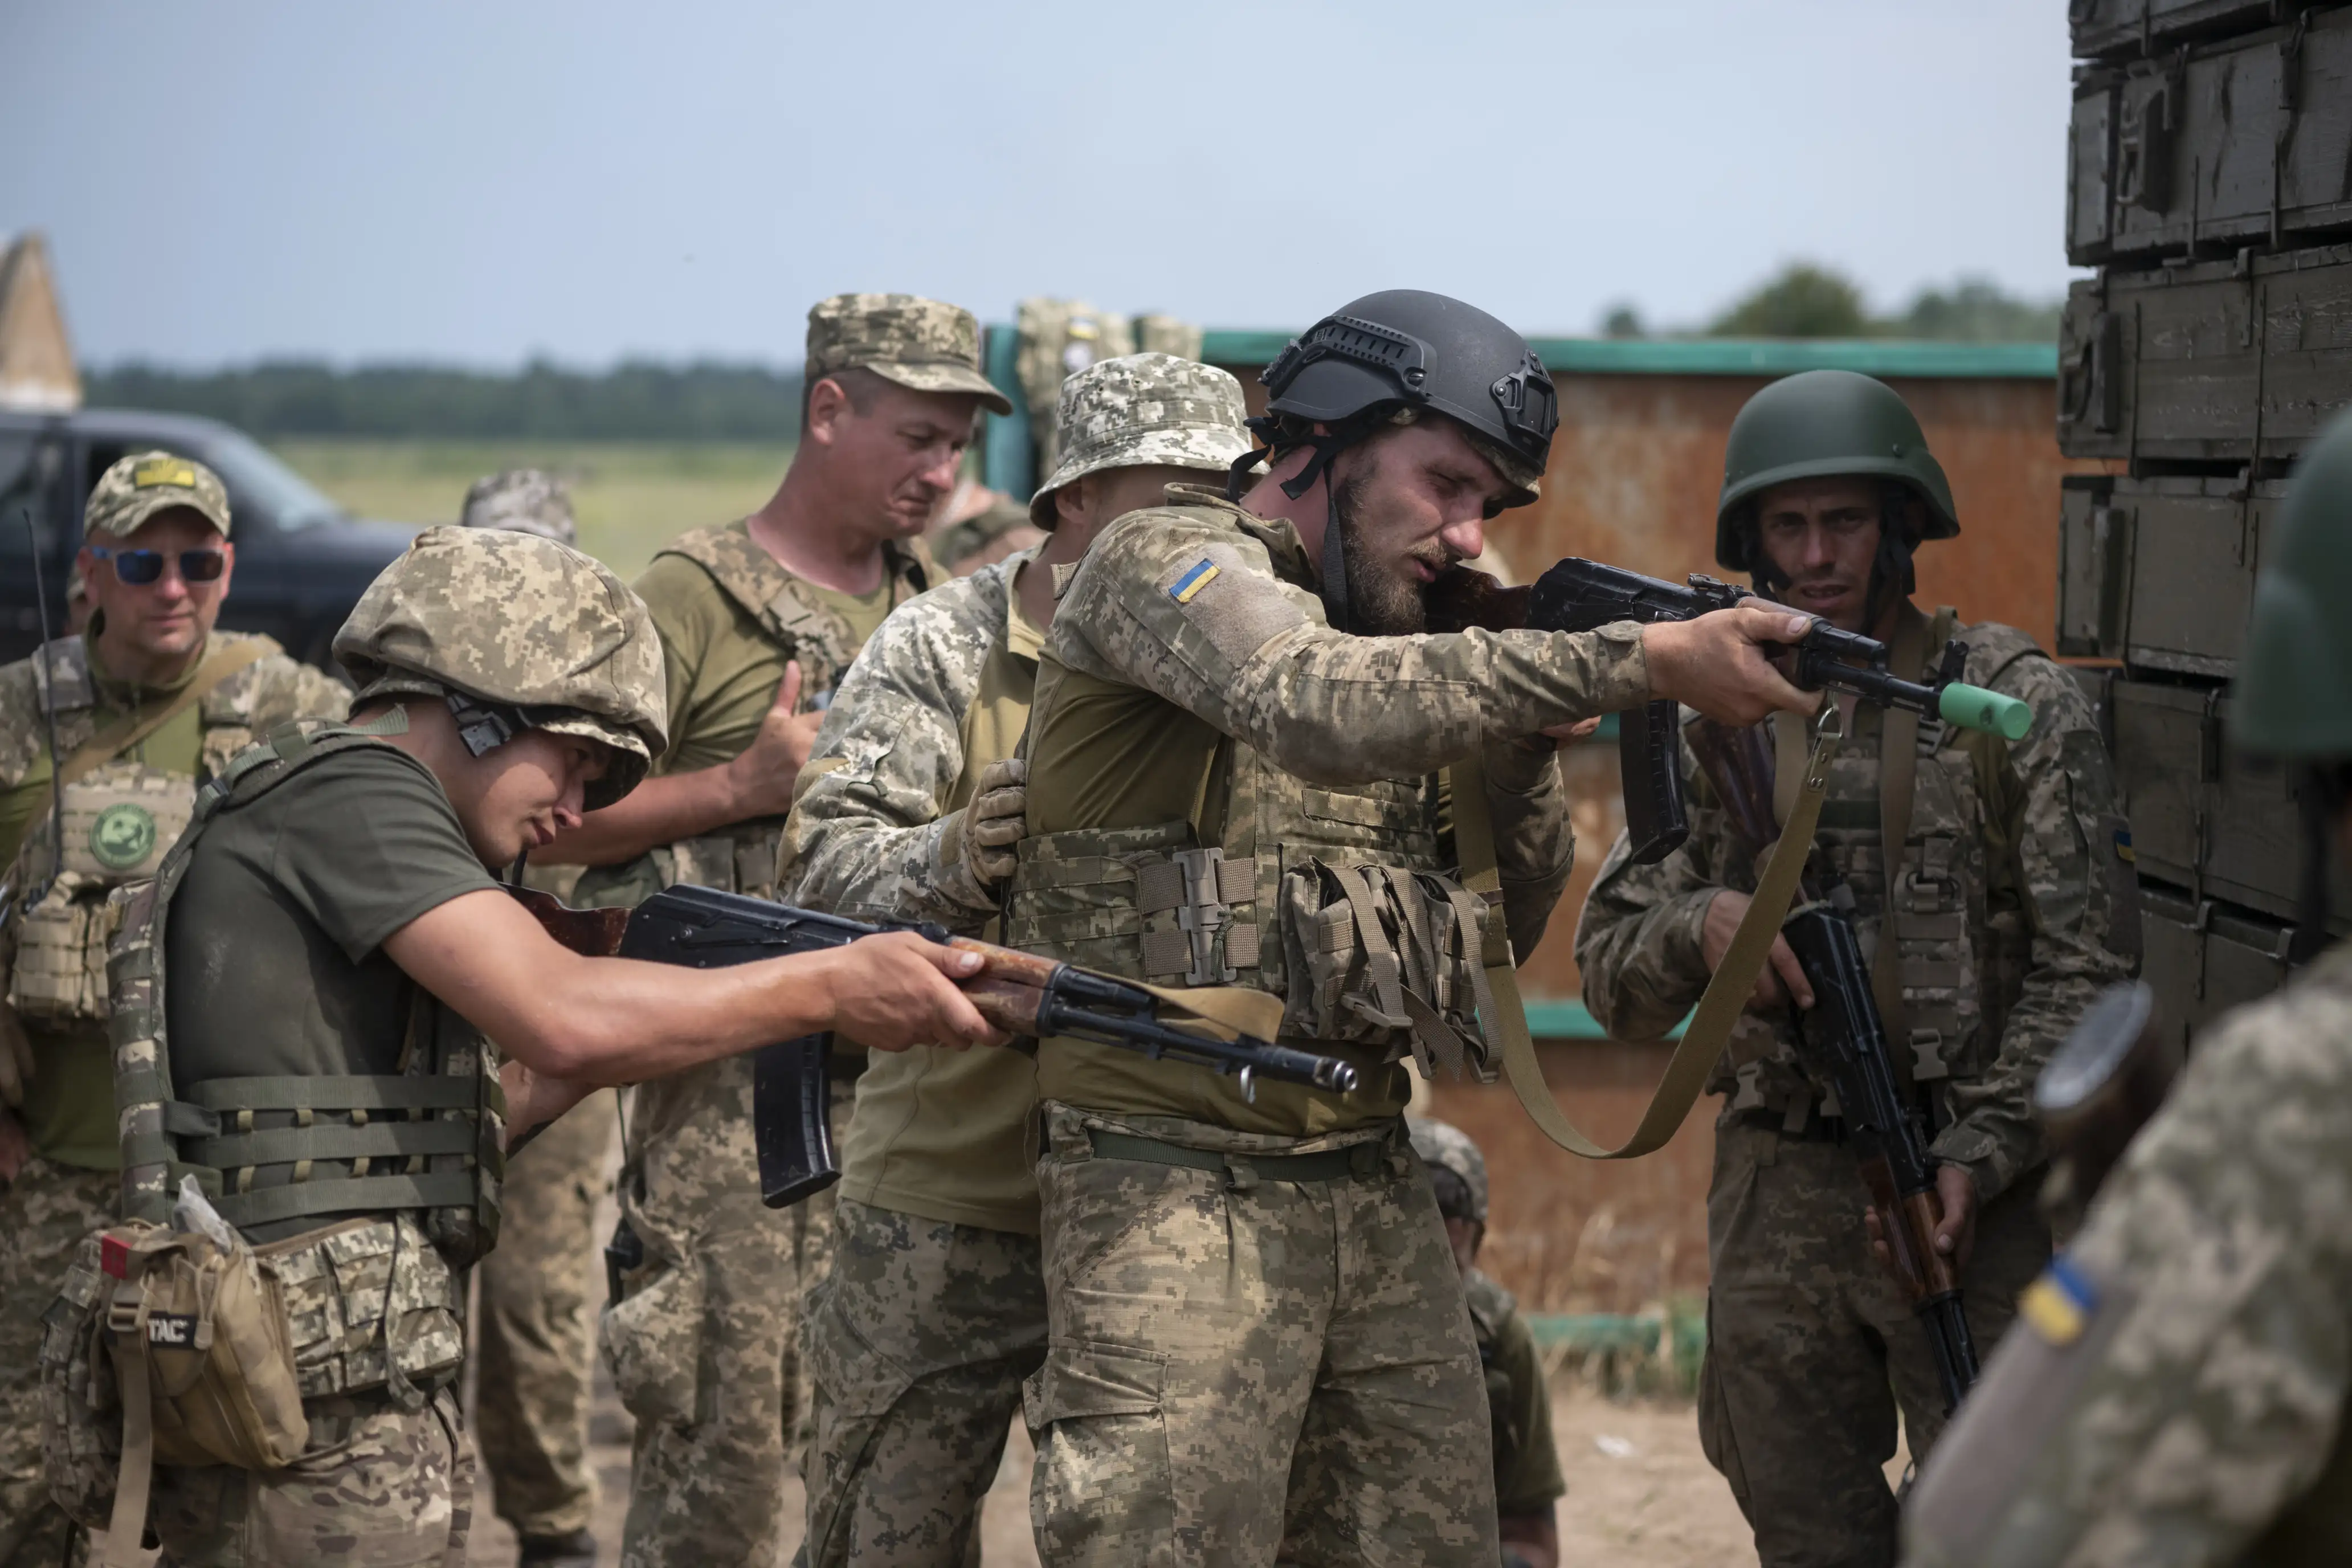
(995, 821)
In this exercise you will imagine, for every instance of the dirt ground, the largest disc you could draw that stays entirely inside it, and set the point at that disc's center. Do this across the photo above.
(1640, 1494)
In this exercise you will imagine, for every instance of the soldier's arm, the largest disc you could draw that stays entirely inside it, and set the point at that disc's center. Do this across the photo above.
(1638, 943)
(2171, 1405)
(2057, 788)
(1535, 845)
(866, 837)
(1198, 620)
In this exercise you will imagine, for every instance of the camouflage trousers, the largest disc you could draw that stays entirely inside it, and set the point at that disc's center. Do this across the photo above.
(918, 1342)
(706, 1349)
(378, 1487)
(535, 1328)
(1247, 1369)
(1811, 1351)
(44, 1214)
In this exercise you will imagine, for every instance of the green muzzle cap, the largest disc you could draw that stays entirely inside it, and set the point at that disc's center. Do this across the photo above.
(1974, 708)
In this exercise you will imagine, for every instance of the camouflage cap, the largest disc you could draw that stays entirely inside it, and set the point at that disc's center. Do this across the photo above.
(1143, 410)
(526, 500)
(583, 659)
(917, 342)
(1446, 1147)
(145, 483)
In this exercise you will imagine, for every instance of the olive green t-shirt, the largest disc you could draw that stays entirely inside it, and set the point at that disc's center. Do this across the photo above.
(721, 669)
(69, 1109)
(1526, 1462)
(274, 956)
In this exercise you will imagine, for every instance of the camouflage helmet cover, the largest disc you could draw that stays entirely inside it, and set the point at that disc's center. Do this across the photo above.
(1815, 425)
(2295, 691)
(446, 615)
(1446, 1147)
(1143, 410)
(921, 343)
(528, 500)
(136, 488)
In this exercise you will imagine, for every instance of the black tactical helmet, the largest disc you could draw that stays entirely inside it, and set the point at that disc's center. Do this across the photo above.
(1385, 359)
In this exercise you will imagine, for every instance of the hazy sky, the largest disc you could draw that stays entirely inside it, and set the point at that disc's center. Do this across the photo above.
(484, 182)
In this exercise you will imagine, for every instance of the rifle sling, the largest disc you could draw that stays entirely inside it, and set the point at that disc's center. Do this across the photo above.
(131, 728)
(1727, 993)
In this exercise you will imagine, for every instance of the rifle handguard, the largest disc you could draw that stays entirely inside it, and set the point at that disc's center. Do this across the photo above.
(1975, 708)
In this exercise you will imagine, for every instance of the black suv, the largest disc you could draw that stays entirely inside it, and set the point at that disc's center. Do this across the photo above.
(302, 560)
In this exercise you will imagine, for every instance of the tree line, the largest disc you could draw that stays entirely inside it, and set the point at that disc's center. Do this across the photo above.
(636, 400)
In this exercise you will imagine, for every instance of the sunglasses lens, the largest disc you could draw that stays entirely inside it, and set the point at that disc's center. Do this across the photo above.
(202, 565)
(138, 567)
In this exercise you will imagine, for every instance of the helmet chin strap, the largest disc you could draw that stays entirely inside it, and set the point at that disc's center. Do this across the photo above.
(1326, 447)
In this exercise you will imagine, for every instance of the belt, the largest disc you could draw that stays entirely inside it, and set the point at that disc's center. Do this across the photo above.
(1361, 1160)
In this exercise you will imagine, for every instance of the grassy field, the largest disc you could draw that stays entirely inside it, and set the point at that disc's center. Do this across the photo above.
(630, 498)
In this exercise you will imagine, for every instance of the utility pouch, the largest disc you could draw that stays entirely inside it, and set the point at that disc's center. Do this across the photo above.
(1390, 957)
(59, 974)
(81, 1404)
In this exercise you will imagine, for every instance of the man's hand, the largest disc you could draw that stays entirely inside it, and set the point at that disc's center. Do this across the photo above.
(1717, 663)
(16, 1058)
(996, 821)
(896, 990)
(1569, 735)
(1781, 977)
(15, 1147)
(763, 775)
(1956, 1230)
(535, 1099)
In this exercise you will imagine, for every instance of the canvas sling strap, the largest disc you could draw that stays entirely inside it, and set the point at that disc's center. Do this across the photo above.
(1727, 993)
(132, 728)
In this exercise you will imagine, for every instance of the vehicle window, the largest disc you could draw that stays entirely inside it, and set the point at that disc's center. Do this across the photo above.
(260, 486)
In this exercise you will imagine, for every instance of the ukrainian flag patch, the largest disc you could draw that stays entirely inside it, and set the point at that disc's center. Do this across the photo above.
(2124, 844)
(1192, 581)
(2061, 1303)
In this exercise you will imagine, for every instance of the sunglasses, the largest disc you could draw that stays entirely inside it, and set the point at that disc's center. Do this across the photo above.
(140, 567)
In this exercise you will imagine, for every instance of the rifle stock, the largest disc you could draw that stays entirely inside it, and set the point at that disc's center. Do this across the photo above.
(2101, 1084)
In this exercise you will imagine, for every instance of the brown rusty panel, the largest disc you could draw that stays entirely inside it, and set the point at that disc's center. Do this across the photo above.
(1567, 1235)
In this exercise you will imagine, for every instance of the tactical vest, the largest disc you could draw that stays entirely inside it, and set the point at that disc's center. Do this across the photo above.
(119, 819)
(1339, 900)
(743, 858)
(424, 1141)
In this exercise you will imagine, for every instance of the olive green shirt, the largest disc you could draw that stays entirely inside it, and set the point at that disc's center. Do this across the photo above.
(1526, 1463)
(274, 955)
(69, 1109)
(721, 669)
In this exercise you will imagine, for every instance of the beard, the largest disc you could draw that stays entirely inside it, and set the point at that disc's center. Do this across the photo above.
(1383, 600)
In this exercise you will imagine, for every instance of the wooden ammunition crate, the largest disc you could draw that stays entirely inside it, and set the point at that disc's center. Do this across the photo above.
(2238, 142)
(2159, 573)
(2205, 957)
(2221, 362)
(2117, 29)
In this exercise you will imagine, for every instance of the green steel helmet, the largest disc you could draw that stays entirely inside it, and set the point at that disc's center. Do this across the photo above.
(1446, 1147)
(2294, 689)
(515, 632)
(1815, 423)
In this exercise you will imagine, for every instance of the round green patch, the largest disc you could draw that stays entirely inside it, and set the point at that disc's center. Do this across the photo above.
(124, 835)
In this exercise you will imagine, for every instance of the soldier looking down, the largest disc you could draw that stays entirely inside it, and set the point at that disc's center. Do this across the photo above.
(2177, 1392)
(758, 621)
(150, 702)
(935, 1310)
(2011, 909)
(1257, 1346)
(1527, 1481)
(328, 938)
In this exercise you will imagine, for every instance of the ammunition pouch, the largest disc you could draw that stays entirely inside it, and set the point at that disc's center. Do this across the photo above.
(58, 976)
(1376, 953)
(119, 820)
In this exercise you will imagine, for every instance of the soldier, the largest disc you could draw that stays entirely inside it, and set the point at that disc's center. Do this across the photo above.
(936, 1310)
(1527, 1481)
(2178, 1394)
(758, 621)
(148, 703)
(334, 891)
(534, 1327)
(2006, 924)
(1257, 1339)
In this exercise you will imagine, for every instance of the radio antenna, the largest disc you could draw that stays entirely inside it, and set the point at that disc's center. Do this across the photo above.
(48, 711)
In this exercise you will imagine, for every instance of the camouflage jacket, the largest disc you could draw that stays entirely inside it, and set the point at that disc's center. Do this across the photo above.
(871, 834)
(2017, 907)
(2176, 1391)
